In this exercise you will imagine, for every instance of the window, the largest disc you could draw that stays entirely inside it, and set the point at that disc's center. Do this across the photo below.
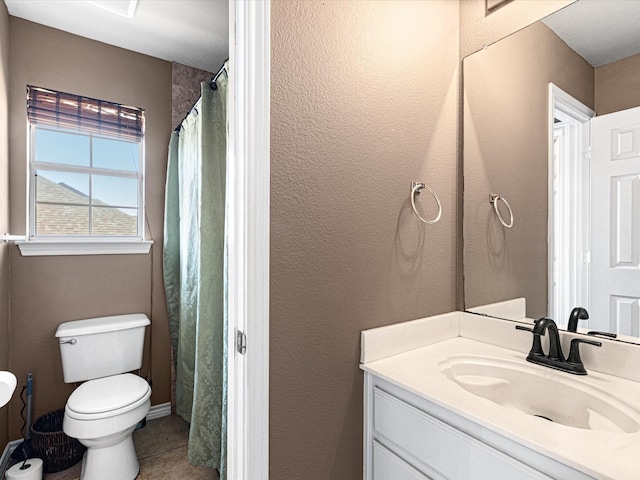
(86, 168)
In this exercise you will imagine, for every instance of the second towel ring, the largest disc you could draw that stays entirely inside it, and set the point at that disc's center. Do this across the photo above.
(493, 199)
(415, 189)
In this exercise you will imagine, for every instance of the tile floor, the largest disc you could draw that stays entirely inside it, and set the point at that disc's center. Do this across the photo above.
(162, 449)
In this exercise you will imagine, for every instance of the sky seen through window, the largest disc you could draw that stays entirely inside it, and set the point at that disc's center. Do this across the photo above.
(75, 149)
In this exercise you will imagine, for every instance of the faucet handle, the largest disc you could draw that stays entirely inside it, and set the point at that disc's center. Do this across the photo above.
(536, 347)
(602, 334)
(574, 352)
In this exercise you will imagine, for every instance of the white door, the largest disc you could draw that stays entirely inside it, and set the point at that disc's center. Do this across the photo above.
(615, 223)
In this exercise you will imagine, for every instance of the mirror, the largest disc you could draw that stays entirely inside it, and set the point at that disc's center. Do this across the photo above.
(575, 225)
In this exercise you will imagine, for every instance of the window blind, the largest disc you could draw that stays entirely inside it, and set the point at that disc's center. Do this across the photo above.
(66, 110)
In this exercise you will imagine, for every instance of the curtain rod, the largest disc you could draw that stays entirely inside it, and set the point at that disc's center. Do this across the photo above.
(222, 70)
(212, 84)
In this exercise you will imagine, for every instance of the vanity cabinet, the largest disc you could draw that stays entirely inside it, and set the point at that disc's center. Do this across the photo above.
(409, 437)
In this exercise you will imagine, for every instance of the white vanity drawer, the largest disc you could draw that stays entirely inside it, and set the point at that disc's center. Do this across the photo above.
(388, 466)
(438, 449)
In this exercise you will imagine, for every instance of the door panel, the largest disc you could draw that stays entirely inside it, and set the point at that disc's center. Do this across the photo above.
(615, 223)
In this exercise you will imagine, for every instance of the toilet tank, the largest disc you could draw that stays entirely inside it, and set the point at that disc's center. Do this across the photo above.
(100, 347)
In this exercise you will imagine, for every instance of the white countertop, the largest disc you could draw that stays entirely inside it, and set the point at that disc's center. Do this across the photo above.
(598, 453)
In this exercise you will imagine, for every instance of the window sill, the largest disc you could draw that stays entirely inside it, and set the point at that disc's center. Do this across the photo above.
(39, 248)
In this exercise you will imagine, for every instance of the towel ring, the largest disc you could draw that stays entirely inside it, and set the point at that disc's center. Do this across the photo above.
(493, 199)
(415, 189)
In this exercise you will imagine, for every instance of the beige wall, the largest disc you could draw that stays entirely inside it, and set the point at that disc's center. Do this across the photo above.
(616, 85)
(46, 291)
(479, 28)
(505, 152)
(364, 100)
(4, 205)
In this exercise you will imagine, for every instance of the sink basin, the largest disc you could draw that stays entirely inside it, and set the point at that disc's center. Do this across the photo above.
(7, 386)
(542, 392)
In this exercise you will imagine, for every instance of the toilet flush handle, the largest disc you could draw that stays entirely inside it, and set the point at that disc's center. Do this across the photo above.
(73, 341)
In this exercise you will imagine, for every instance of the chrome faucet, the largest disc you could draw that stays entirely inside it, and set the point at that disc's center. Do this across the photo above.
(555, 358)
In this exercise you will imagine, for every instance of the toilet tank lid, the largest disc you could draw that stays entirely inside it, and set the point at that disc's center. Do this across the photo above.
(102, 324)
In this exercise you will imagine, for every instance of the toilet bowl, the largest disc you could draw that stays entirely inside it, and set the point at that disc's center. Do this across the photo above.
(103, 412)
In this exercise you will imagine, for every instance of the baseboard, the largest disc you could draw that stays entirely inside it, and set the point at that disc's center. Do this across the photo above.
(160, 410)
(6, 456)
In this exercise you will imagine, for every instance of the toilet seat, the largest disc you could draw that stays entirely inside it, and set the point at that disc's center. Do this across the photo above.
(107, 397)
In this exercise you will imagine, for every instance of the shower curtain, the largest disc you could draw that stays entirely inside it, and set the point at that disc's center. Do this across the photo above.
(194, 273)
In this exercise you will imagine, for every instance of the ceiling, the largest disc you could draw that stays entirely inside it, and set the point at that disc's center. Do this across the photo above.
(191, 32)
(601, 31)
(196, 32)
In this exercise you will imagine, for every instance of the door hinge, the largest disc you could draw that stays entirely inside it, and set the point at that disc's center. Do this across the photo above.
(587, 153)
(241, 342)
(586, 256)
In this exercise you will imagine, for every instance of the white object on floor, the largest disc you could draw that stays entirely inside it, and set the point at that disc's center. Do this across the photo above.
(33, 470)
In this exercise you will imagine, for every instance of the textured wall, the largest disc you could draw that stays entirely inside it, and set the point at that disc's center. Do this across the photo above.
(364, 100)
(506, 152)
(617, 85)
(479, 28)
(185, 89)
(46, 291)
(4, 205)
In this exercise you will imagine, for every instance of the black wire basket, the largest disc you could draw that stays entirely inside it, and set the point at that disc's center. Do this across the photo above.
(57, 450)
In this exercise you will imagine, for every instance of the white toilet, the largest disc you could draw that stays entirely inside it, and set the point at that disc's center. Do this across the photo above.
(103, 412)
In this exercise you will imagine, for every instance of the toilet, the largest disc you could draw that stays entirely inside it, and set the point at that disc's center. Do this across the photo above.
(103, 412)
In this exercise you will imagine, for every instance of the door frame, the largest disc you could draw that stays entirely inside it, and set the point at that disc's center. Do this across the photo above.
(248, 239)
(578, 116)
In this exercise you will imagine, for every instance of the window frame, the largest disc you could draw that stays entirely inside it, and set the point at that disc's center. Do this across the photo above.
(53, 244)
(90, 170)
